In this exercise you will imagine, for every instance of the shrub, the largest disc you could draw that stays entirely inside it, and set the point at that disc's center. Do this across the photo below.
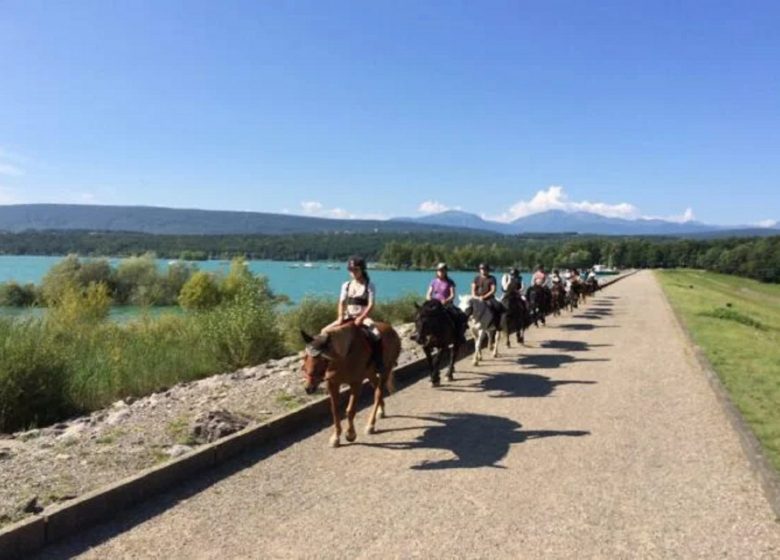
(16, 295)
(138, 281)
(76, 305)
(397, 311)
(244, 331)
(200, 292)
(311, 315)
(727, 314)
(33, 377)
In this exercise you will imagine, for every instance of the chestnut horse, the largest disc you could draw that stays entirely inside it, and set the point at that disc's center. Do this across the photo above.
(343, 354)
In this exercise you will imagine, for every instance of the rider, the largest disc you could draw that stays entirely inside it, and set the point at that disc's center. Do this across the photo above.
(356, 301)
(484, 287)
(540, 276)
(556, 277)
(512, 283)
(442, 288)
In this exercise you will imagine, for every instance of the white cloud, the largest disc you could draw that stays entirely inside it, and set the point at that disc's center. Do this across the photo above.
(767, 223)
(686, 216)
(10, 170)
(318, 210)
(555, 198)
(434, 207)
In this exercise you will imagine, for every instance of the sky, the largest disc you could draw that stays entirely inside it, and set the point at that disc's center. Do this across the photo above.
(395, 108)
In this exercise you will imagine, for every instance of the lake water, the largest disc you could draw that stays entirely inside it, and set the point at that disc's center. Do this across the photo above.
(285, 277)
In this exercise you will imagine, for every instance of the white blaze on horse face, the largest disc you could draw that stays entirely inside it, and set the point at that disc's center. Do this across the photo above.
(464, 301)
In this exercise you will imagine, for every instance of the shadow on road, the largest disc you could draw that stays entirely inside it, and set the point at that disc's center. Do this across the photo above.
(475, 440)
(548, 361)
(570, 345)
(513, 385)
(583, 327)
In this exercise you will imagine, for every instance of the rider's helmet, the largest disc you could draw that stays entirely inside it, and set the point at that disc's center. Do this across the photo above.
(442, 266)
(484, 266)
(356, 262)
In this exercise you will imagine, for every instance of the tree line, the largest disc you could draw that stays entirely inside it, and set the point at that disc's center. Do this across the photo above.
(757, 258)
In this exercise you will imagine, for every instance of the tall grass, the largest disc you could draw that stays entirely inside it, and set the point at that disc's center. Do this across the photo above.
(72, 360)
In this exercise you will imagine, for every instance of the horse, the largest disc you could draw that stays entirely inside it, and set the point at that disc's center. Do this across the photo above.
(343, 354)
(483, 320)
(538, 298)
(558, 298)
(515, 319)
(436, 327)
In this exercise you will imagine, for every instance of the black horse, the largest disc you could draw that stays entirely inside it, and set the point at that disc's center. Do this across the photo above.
(438, 327)
(538, 298)
(516, 318)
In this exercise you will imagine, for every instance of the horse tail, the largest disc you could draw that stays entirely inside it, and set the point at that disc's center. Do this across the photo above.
(390, 381)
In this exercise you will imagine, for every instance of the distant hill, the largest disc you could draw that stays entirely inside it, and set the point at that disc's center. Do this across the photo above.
(174, 221)
(558, 221)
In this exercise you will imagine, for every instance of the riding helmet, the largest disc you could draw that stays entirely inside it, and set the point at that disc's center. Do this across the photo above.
(441, 266)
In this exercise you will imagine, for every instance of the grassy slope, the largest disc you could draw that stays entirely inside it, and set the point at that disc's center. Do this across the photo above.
(746, 358)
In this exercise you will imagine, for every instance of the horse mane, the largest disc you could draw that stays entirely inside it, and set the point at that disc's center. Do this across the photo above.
(336, 341)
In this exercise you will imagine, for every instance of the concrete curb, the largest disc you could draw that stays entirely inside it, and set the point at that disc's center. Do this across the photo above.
(63, 520)
(767, 474)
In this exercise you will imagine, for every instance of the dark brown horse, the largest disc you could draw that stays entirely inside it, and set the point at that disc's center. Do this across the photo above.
(343, 355)
(558, 298)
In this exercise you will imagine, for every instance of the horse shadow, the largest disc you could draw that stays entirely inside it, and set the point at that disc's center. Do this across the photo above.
(514, 385)
(549, 361)
(570, 345)
(475, 440)
(583, 327)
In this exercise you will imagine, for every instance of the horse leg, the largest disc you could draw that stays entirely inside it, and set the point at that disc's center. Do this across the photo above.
(333, 392)
(453, 354)
(378, 406)
(432, 367)
(496, 338)
(354, 391)
(478, 348)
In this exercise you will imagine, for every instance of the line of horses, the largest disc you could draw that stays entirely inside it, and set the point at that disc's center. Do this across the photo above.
(343, 355)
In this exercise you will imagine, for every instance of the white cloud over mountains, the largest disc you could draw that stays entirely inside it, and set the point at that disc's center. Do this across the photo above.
(556, 198)
(768, 223)
(317, 209)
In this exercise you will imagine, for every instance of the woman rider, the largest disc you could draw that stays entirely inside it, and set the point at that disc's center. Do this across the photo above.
(356, 301)
(484, 288)
(442, 288)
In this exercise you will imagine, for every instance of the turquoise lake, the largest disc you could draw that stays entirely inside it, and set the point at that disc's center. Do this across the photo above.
(288, 278)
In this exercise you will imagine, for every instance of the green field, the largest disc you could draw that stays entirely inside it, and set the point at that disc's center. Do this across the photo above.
(737, 323)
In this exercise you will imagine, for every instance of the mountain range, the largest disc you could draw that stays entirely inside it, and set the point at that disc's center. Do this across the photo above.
(174, 221)
(559, 221)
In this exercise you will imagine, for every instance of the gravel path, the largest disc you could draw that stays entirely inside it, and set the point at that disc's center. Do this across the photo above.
(602, 439)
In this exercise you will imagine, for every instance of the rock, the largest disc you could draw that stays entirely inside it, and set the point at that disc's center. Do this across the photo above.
(119, 404)
(178, 450)
(62, 457)
(31, 506)
(72, 432)
(118, 416)
(215, 424)
(130, 400)
(29, 434)
(5, 454)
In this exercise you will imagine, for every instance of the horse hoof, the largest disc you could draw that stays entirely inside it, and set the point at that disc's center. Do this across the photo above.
(450, 377)
(370, 430)
(381, 412)
(351, 436)
(335, 441)
(435, 383)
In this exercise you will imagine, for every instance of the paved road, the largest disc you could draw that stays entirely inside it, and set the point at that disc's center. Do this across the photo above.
(602, 439)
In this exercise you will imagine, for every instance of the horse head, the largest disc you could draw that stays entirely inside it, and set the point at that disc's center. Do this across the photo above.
(428, 320)
(315, 360)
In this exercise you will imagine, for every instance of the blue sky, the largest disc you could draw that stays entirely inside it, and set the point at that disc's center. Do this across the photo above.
(393, 108)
